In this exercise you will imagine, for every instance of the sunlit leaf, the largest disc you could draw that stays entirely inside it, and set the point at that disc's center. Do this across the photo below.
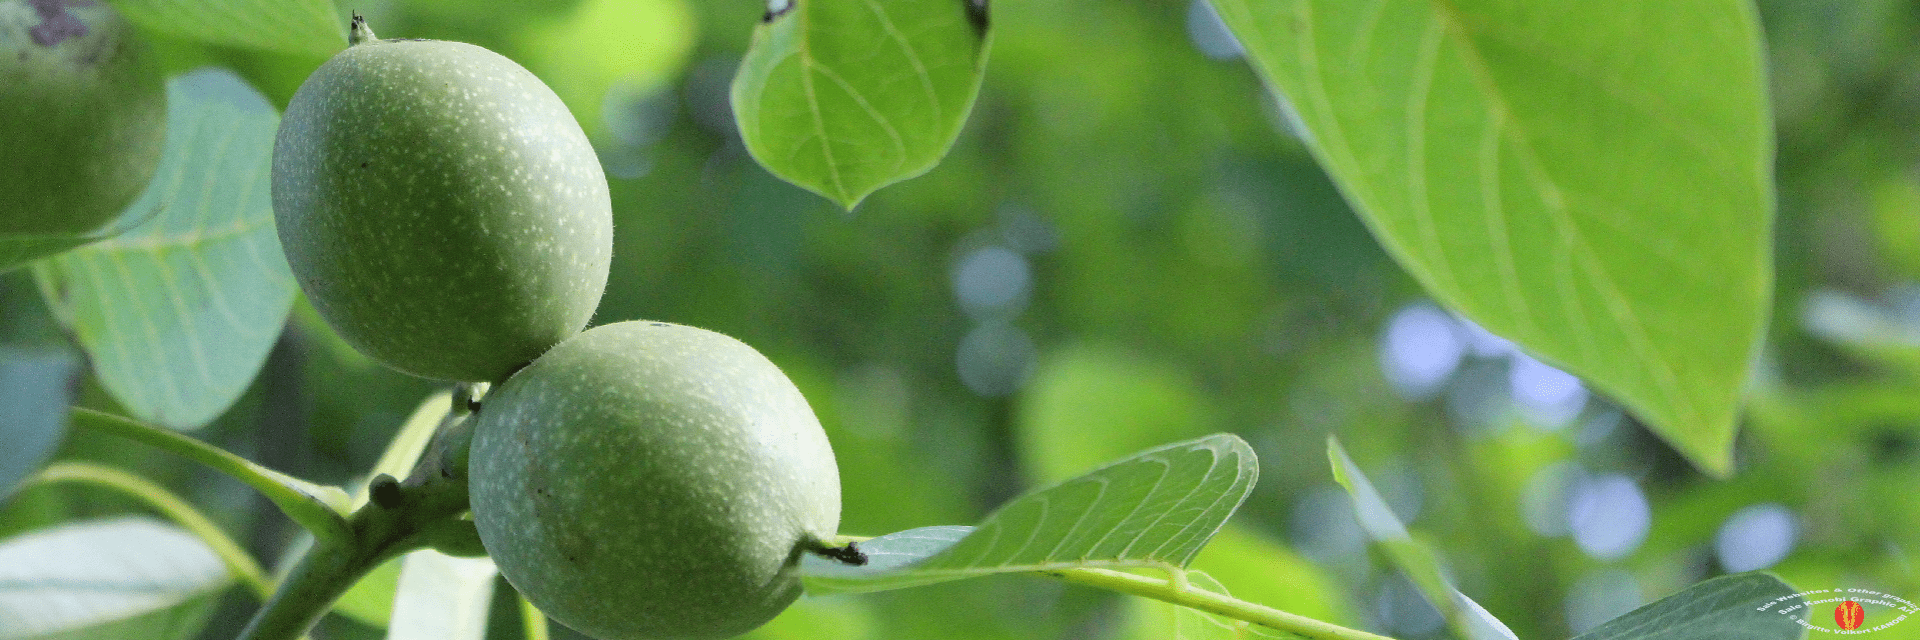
(1416, 560)
(442, 597)
(178, 313)
(1724, 608)
(1590, 179)
(289, 26)
(107, 580)
(846, 96)
(1154, 509)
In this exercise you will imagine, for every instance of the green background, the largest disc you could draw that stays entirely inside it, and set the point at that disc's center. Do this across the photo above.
(1189, 269)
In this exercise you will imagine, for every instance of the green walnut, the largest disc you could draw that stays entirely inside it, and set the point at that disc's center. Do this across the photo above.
(83, 116)
(440, 207)
(652, 480)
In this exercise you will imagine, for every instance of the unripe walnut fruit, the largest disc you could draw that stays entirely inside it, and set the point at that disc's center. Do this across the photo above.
(440, 207)
(83, 116)
(646, 480)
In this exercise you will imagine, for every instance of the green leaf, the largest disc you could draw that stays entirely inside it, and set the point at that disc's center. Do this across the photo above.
(36, 385)
(287, 26)
(1154, 509)
(1419, 562)
(108, 580)
(1724, 608)
(843, 97)
(178, 313)
(1590, 179)
(442, 597)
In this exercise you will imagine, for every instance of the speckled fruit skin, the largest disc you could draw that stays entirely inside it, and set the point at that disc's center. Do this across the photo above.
(652, 480)
(83, 117)
(441, 208)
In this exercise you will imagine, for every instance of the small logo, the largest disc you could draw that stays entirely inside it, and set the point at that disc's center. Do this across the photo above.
(1849, 615)
(1851, 609)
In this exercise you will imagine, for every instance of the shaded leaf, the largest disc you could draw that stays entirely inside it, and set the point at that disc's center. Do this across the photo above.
(843, 97)
(1724, 608)
(178, 313)
(1420, 564)
(1154, 509)
(107, 580)
(1592, 180)
(442, 597)
(288, 26)
(36, 385)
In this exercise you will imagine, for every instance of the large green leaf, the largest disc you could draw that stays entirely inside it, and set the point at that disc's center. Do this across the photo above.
(1414, 558)
(288, 26)
(107, 580)
(178, 314)
(1154, 509)
(1724, 608)
(442, 597)
(1590, 179)
(846, 96)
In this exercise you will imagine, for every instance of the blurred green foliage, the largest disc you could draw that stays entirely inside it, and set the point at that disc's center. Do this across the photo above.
(1187, 269)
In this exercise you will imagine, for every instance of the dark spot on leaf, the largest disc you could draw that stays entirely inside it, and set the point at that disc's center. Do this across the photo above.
(363, 165)
(977, 16)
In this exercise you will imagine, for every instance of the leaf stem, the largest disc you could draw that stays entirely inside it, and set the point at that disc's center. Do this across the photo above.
(174, 507)
(314, 506)
(1164, 590)
(377, 531)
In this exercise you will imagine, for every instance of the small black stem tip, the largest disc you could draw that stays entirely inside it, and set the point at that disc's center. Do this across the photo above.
(849, 554)
(385, 492)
